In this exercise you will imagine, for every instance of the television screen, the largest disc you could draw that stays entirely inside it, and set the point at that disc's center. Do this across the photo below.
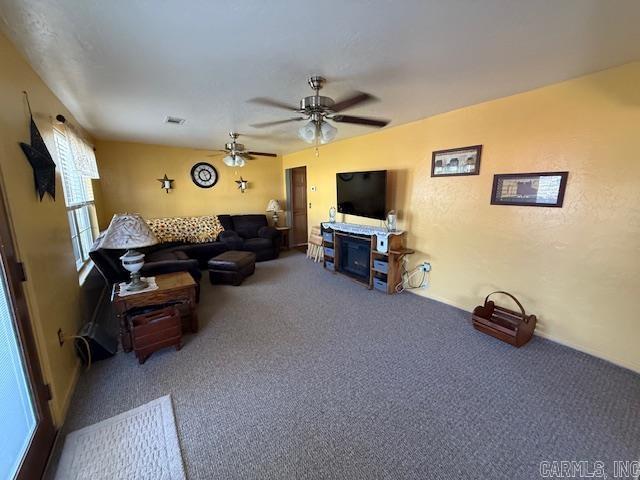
(363, 193)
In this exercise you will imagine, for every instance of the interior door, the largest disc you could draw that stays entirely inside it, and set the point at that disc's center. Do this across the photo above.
(27, 430)
(299, 206)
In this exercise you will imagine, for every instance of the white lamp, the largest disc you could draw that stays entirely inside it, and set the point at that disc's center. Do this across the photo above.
(130, 231)
(274, 206)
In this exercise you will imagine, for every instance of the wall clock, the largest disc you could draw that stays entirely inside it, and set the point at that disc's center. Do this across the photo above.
(204, 175)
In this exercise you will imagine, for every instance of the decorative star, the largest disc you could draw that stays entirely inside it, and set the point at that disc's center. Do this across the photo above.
(44, 168)
(166, 183)
(242, 184)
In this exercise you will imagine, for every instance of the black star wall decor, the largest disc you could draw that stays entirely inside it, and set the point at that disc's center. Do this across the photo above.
(166, 183)
(44, 168)
(242, 184)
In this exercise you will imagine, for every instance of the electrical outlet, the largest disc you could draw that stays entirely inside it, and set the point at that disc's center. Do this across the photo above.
(425, 267)
(60, 337)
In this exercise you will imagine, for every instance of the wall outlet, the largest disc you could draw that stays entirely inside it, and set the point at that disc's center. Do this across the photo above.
(60, 337)
(425, 267)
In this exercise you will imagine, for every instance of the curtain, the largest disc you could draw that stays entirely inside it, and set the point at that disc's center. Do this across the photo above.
(82, 153)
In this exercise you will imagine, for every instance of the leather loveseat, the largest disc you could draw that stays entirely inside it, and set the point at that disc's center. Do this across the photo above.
(241, 232)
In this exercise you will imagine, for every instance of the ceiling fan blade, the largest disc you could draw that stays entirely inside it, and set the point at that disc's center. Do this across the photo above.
(263, 154)
(216, 153)
(356, 98)
(370, 122)
(277, 122)
(269, 102)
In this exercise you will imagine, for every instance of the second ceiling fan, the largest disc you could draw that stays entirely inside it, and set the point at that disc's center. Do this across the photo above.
(236, 154)
(317, 109)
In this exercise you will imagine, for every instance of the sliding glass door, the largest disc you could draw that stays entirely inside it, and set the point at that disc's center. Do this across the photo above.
(26, 429)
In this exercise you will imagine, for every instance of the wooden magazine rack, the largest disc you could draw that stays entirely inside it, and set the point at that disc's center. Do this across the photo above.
(515, 328)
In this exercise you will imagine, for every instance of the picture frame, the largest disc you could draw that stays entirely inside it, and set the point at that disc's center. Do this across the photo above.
(456, 162)
(545, 189)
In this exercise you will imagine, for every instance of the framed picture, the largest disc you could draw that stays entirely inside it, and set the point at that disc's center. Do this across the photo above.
(529, 189)
(456, 161)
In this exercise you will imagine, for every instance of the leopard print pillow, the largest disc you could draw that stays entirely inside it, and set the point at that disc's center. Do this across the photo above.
(186, 229)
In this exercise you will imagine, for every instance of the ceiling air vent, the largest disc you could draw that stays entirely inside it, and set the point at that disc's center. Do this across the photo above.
(174, 120)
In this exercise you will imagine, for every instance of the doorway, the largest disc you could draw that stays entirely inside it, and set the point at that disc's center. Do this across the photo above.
(297, 180)
(27, 426)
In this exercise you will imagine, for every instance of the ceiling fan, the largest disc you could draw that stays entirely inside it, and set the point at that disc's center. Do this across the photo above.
(317, 109)
(236, 154)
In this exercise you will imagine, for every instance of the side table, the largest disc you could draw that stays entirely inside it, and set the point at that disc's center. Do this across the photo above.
(284, 231)
(175, 288)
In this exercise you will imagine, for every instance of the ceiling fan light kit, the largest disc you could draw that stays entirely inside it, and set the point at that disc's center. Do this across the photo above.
(234, 161)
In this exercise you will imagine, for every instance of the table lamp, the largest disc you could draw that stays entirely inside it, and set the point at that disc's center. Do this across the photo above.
(130, 231)
(274, 206)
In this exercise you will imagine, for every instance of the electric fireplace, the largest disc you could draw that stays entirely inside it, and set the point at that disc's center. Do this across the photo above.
(354, 257)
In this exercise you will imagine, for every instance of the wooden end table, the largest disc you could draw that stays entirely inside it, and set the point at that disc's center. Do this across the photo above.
(284, 231)
(178, 288)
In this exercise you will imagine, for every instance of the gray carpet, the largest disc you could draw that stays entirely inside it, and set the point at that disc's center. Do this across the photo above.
(302, 374)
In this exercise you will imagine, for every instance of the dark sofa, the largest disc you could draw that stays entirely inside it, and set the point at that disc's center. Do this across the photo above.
(250, 233)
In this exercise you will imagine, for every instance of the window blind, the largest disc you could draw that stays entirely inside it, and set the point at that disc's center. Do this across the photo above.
(78, 192)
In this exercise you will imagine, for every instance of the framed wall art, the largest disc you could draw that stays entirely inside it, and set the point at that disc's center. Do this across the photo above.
(529, 189)
(456, 161)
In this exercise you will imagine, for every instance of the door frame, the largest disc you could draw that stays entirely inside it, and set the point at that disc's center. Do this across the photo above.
(35, 459)
(290, 216)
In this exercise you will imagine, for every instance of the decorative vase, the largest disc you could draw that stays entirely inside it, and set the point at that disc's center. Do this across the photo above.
(332, 215)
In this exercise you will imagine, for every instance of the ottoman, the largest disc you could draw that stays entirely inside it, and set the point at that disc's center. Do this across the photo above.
(232, 267)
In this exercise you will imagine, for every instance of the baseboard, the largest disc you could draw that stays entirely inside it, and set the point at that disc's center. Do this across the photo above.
(635, 368)
(64, 407)
(47, 474)
(631, 366)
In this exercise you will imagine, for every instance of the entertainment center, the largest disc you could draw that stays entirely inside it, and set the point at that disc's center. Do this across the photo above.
(371, 256)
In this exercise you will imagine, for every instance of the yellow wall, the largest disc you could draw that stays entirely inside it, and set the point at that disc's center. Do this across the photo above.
(41, 229)
(578, 267)
(129, 173)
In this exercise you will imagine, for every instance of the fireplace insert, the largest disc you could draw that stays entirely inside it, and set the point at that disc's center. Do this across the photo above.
(355, 255)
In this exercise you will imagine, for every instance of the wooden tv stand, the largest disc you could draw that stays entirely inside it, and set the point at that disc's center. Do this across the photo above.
(384, 268)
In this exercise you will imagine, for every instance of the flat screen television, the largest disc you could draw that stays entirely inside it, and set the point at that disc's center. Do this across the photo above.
(363, 193)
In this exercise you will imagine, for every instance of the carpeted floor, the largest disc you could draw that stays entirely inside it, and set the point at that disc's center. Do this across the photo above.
(302, 374)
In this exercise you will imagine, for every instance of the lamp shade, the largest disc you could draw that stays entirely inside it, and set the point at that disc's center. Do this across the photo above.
(128, 231)
(273, 206)
(308, 132)
(327, 132)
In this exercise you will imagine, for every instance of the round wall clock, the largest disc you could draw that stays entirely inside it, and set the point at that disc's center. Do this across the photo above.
(204, 175)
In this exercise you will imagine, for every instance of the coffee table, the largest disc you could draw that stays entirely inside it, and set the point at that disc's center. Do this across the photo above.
(177, 288)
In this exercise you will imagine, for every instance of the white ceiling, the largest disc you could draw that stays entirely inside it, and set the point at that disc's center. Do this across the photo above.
(122, 66)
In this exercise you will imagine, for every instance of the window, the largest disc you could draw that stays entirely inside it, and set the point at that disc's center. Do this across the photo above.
(78, 193)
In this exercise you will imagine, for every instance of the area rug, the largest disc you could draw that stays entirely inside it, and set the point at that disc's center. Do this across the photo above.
(141, 443)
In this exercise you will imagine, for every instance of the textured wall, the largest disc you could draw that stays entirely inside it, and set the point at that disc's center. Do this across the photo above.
(578, 267)
(129, 172)
(41, 229)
